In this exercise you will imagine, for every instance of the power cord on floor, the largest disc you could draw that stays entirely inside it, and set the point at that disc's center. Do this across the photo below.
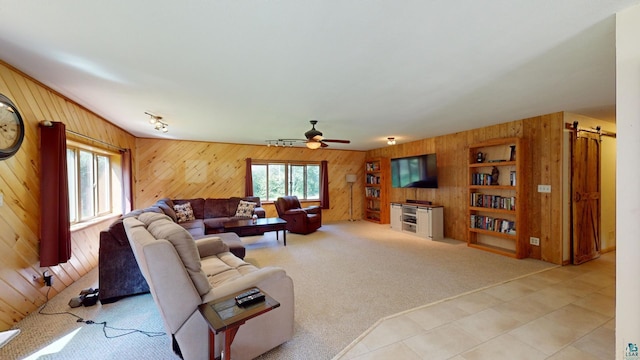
(103, 323)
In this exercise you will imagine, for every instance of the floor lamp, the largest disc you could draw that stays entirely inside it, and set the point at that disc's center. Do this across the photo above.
(351, 178)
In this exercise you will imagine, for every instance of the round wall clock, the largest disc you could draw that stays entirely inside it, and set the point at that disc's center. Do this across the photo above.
(11, 128)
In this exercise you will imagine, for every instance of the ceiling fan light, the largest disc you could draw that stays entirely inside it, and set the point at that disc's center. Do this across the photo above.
(313, 145)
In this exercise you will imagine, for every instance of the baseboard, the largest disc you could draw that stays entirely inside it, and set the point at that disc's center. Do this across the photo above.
(6, 336)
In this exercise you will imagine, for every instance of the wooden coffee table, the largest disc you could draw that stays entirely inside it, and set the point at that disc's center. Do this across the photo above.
(247, 227)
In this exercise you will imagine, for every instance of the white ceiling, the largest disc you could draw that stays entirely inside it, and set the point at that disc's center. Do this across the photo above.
(248, 71)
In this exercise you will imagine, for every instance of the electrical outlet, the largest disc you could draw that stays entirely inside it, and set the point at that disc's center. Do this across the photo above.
(47, 278)
(534, 241)
(1, 199)
(544, 188)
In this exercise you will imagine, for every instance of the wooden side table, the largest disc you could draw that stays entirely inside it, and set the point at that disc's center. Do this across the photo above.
(223, 315)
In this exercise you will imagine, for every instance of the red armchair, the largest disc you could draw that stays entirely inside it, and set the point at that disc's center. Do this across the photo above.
(299, 220)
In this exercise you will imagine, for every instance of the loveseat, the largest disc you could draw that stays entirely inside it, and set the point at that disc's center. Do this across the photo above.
(184, 273)
(118, 271)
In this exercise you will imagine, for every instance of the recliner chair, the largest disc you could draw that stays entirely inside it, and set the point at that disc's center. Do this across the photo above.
(183, 273)
(299, 220)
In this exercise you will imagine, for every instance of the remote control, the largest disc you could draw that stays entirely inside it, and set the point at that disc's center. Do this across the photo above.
(247, 293)
(251, 299)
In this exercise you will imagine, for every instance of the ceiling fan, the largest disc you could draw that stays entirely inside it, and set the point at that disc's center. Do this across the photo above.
(315, 139)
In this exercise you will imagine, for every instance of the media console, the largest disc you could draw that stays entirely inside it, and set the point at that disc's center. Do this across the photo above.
(418, 219)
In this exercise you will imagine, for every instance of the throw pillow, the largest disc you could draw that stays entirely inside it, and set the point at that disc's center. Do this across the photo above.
(245, 208)
(184, 212)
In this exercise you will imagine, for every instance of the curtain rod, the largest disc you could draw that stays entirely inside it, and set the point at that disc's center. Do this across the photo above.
(48, 123)
(95, 140)
(597, 130)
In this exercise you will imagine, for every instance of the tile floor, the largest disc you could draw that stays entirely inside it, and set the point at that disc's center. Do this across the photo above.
(563, 313)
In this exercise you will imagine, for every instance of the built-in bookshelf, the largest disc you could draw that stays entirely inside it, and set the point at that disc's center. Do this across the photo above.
(377, 177)
(494, 190)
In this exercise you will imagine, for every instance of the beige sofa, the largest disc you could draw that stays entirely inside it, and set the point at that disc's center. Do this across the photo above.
(118, 271)
(183, 273)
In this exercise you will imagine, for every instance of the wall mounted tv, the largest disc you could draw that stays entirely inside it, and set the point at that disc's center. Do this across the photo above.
(419, 171)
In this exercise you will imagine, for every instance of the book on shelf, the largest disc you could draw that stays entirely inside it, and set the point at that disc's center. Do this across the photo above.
(486, 179)
(481, 179)
(372, 192)
(493, 224)
(373, 166)
(493, 201)
(373, 206)
(373, 179)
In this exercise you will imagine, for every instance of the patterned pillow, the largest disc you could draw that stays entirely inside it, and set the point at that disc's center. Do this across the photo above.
(245, 208)
(184, 212)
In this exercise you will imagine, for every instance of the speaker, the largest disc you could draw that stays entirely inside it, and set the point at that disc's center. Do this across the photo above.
(88, 297)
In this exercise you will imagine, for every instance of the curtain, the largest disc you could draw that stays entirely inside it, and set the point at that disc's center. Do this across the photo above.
(55, 235)
(324, 185)
(127, 181)
(248, 179)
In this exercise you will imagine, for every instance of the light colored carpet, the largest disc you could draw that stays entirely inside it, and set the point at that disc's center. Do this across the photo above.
(347, 276)
(62, 337)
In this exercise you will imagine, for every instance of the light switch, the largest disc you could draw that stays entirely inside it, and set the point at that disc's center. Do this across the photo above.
(544, 188)
(1, 200)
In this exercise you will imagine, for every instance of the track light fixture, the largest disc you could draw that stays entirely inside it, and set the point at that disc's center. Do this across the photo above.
(281, 142)
(157, 122)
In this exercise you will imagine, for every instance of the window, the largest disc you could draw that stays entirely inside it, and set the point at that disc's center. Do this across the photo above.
(274, 179)
(90, 182)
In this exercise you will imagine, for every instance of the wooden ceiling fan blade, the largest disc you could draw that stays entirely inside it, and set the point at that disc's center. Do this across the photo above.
(315, 136)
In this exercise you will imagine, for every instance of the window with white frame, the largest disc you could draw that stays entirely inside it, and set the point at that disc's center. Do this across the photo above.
(274, 179)
(92, 189)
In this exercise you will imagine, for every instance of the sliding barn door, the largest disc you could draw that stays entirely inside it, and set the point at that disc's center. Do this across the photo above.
(585, 185)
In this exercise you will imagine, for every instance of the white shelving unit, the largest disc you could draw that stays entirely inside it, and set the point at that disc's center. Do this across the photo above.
(425, 221)
(396, 216)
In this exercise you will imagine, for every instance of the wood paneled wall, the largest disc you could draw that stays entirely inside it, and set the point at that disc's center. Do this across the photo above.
(543, 135)
(185, 169)
(20, 187)
(188, 169)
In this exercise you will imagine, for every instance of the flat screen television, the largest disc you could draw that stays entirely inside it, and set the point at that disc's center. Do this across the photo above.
(419, 171)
